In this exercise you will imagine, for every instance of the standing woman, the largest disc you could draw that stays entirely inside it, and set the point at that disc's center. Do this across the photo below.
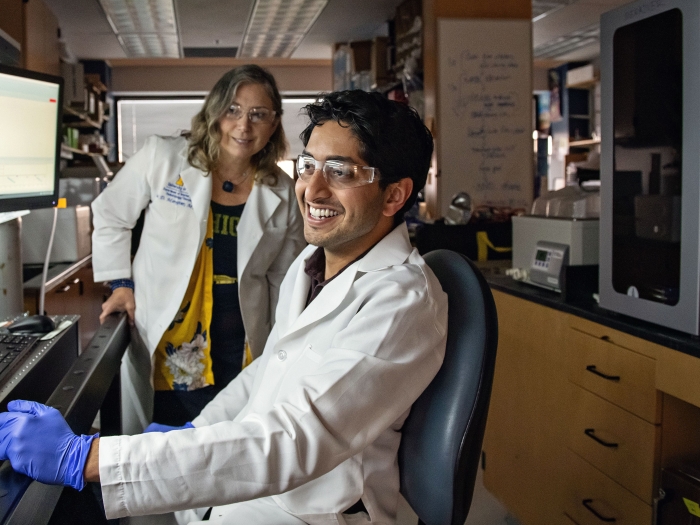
(221, 228)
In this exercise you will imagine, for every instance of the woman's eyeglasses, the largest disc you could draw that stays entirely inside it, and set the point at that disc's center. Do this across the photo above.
(255, 115)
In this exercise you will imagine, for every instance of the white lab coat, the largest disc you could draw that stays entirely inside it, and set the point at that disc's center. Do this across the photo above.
(315, 421)
(270, 236)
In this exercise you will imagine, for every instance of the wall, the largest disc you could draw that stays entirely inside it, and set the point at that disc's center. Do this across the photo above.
(200, 74)
(34, 26)
(11, 19)
(40, 47)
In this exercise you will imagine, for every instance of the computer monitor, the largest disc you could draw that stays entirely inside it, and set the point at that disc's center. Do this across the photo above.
(30, 138)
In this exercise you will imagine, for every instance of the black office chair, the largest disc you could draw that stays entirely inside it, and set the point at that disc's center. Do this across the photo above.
(441, 439)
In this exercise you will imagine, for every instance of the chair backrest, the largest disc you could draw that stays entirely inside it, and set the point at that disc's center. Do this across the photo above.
(441, 438)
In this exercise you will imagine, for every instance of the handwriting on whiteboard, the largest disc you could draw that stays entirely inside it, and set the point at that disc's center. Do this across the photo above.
(482, 99)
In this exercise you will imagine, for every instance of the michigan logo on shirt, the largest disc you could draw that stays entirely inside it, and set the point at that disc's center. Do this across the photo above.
(226, 224)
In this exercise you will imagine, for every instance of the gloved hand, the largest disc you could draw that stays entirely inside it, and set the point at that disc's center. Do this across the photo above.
(157, 427)
(39, 443)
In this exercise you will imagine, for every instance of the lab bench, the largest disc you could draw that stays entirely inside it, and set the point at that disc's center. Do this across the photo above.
(587, 407)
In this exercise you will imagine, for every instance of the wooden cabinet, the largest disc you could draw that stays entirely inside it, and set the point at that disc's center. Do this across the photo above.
(525, 438)
(574, 431)
(622, 376)
(616, 442)
(593, 498)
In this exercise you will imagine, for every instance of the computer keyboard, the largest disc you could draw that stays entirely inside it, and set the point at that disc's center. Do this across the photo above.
(12, 348)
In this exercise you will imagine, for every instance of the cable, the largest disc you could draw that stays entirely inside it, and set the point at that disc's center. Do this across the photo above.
(42, 291)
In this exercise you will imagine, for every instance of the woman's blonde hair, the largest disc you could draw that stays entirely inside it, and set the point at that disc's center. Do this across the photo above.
(205, 135)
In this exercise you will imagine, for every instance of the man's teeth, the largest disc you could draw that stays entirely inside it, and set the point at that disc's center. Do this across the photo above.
(322, 212)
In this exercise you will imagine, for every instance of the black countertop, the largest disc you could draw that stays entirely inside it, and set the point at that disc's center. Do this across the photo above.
(688, 344)
(57, 273)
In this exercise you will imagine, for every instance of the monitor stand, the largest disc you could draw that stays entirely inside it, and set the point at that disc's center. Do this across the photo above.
(11, 290)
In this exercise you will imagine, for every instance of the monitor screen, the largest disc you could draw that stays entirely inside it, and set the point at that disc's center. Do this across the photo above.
(30, 138)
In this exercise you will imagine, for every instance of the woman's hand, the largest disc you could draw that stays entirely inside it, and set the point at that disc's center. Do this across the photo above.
(121, 300)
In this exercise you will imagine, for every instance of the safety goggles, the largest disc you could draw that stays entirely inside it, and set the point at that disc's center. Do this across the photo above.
(338, 173)
(255, 115)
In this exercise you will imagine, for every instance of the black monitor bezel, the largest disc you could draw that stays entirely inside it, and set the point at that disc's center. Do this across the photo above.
(40, 201)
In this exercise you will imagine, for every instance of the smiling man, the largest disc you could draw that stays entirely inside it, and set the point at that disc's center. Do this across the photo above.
(309, 432)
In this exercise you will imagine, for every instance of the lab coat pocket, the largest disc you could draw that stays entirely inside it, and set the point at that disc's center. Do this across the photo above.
(166, 212)
(312, 355)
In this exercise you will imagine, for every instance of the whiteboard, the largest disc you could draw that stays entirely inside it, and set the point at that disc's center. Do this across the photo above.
(485, 111)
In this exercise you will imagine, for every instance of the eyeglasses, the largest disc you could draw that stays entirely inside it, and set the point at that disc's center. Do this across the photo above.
(255, 115)
(338, 174)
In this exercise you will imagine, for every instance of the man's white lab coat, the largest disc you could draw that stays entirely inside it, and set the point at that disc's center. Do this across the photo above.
(315, 421)
(177, 198)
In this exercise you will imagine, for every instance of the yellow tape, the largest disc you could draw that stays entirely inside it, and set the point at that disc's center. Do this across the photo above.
(483, 243)
(224, 279)
(693, 507)
(61, 203)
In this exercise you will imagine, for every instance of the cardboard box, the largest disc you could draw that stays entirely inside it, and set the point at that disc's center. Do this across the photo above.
(71, 243)
(74, 84)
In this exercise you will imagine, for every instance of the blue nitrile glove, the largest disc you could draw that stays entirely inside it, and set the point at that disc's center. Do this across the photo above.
(39, 443)
(157, 427)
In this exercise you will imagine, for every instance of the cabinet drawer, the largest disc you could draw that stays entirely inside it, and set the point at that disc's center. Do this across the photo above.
(621, 376)
(618, 443)
(592, 498)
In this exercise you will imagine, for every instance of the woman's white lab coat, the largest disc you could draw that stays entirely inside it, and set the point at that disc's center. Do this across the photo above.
(177, 198)
(315, 421)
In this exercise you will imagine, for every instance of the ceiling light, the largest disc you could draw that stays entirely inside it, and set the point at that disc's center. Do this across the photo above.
(277, 27)
(568, 43)
(144, 28)
(542, 8)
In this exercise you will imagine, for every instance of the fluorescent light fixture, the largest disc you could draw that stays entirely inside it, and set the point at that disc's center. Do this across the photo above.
(568, 43)
(299, 100)
(144, 28)
(277, 27)
(287, 166)
(542, 8)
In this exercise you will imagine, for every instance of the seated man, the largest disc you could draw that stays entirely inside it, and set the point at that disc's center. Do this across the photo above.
(309, 432)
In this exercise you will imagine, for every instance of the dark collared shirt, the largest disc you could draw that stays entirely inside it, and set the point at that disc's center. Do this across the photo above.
(316, 269)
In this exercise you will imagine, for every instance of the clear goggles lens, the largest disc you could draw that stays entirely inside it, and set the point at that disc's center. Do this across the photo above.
(255, 115)
(338, 174)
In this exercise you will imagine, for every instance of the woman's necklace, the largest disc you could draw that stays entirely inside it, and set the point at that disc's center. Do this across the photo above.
(229, 186)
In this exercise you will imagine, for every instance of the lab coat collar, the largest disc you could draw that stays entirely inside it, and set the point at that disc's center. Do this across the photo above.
(391, 250)
(261, 204)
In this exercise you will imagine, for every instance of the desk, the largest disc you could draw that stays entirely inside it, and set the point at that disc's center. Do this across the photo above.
(564, 369)
(91, 383)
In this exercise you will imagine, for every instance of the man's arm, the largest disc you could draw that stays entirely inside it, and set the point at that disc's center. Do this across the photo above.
(92, 465)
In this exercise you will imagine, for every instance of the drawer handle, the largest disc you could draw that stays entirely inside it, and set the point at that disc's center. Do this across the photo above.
(587, 503)
(590, 432)
(593, 370)
(63, 289)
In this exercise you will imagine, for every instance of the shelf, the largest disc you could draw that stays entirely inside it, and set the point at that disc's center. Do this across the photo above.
(586, 84)
(84, 120)
(68, 149)
(583, 142)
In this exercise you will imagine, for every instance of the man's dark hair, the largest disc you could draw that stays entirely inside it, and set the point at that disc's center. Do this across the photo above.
(392, 136)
